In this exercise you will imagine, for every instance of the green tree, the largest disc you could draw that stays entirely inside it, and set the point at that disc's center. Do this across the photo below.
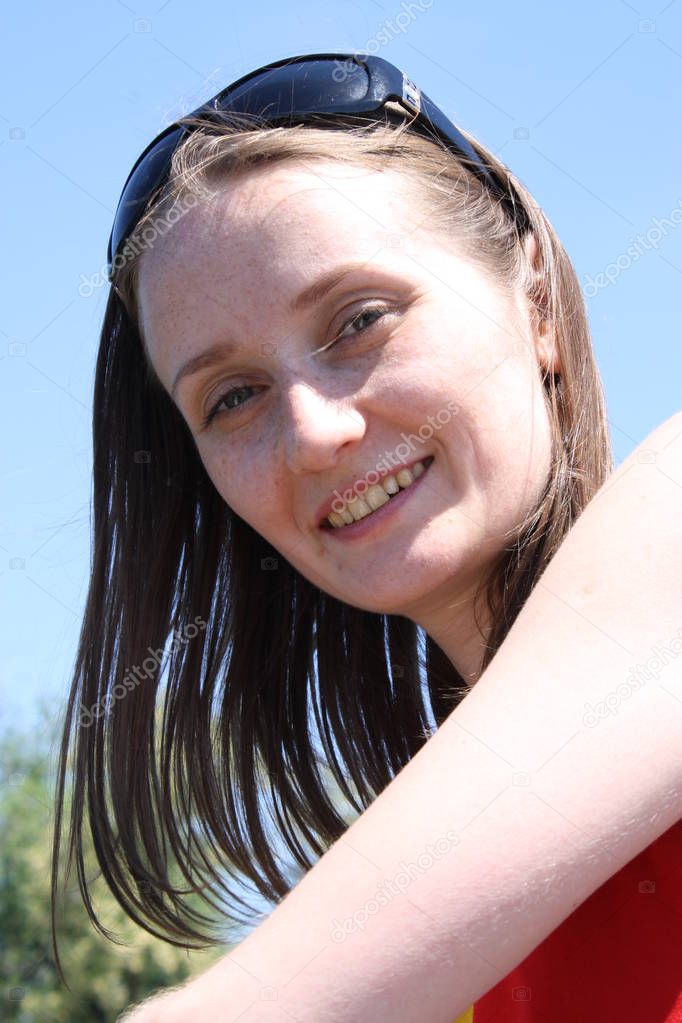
(105, 977)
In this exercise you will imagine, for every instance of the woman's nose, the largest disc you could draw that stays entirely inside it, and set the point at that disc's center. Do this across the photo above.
(317, 427)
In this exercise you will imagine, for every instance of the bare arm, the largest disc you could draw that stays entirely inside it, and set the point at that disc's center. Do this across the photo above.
(523, 803)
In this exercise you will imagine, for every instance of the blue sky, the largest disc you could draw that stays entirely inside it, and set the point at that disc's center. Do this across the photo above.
(581, 102)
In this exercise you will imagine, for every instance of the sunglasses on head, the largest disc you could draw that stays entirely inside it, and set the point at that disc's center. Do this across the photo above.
(293, 91)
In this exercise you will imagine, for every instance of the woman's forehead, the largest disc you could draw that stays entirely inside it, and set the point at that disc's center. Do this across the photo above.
(303, 222)
(281, 205)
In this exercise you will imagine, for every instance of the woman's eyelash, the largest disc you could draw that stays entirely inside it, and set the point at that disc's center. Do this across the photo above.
(371, 307)
(380, 307)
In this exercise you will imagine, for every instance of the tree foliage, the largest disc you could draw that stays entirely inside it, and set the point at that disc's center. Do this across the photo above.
(104, 977)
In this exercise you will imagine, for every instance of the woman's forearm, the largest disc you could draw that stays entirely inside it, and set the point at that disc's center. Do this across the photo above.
(524, 802)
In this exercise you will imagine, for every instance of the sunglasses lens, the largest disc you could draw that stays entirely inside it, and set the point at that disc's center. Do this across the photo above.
(315, 85)
(139, 187)
(303, 87)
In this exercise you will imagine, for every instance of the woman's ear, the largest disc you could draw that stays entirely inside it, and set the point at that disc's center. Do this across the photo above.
(544, 335)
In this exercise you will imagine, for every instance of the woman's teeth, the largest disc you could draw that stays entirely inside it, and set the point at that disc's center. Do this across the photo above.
(376, 496)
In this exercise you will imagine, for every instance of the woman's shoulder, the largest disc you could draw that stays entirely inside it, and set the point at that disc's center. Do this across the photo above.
(631, 527)
(652, 472)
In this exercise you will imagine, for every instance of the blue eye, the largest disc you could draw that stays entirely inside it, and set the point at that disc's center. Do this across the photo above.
(366, 310)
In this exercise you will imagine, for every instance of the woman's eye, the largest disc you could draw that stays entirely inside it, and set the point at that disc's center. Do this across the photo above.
(368, 310)
(213, 411)
(365, 311)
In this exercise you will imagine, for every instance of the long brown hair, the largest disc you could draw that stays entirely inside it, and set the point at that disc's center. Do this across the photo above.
(256, 716)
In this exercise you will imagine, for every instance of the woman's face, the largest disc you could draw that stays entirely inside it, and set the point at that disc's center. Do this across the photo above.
(432, 361)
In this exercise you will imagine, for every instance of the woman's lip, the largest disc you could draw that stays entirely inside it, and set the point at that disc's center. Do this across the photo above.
(361, 528)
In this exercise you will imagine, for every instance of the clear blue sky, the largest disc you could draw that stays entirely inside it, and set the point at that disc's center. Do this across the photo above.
(581, 101)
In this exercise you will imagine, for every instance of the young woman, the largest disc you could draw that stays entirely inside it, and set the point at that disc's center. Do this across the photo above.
(351, 454)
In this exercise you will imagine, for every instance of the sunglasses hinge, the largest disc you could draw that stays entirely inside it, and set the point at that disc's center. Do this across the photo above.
(411, 95)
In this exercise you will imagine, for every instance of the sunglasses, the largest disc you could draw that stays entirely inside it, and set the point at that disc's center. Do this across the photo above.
(296, 90)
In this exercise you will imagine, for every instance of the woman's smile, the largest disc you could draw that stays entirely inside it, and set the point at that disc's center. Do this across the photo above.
(386, 512)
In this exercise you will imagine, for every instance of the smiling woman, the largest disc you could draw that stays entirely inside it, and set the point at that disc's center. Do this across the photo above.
(333, 403)
(355, 333)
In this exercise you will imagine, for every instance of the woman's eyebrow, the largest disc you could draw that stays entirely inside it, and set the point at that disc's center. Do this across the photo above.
(316, 291)
(310, 296)
(218, 351)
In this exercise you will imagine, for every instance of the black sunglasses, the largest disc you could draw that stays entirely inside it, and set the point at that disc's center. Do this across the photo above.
(295, 90)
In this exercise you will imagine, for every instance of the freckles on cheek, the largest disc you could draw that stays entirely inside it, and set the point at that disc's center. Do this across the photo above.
(246, 490)
(419, 392)
(224, 477)
(242, 499)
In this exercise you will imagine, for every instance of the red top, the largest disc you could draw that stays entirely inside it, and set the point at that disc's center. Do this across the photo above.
(616, 959)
